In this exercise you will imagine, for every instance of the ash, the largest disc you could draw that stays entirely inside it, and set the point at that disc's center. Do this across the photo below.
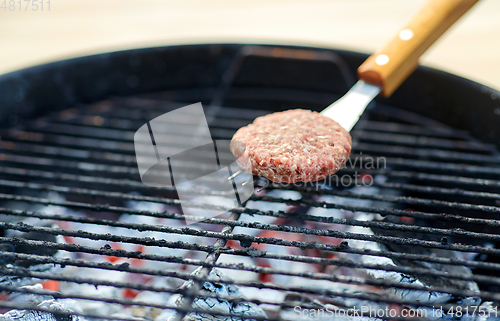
(274, 299)
(60, 309)
(216, 285)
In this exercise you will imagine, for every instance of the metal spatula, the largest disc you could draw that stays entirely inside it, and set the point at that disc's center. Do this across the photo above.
(385, 70)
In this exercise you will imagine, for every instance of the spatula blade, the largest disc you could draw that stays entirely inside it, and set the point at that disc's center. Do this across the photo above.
(347, 110)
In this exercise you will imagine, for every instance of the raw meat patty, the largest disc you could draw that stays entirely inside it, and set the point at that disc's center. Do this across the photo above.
(292, 146)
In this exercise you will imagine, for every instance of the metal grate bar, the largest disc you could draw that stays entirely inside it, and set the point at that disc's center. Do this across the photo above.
(94, 180)
(419, 164)
(62, 314)
(464, 169)
(257, 269)
(137, 108)
(305, 189)
(76, 165)
(235, 114)
(147, 108)
(72, 153)
(407, 200)
(131, 302)
(387, 139)
(439, 190)
(341, 279)
(118, 301)
(184, 276)
(457, 232)
(83, 142)
(84, 166)
(125, 183)
(389, 198)
(132, 108)
(234, 124)
(229, 119)
(124, 267)
(457, 180)
(48, 152)
(248, 238)
(342, 249)
(20, 306)
(251, 252)
(331, 220)
(87, 167)
(414, 152)
(321, 292)
(373, 298)
(88, 143)
(417, 141)
(212, 257)
(392, 211)
(149, 227)
(139, 186)
(393, 127)
(135, 184)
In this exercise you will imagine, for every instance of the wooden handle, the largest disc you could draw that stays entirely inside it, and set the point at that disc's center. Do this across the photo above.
(389, 67)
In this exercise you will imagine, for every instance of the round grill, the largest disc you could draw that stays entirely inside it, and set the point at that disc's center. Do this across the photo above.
(411, 223)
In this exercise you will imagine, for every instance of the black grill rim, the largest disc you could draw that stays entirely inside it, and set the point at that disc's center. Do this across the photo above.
(73, 81)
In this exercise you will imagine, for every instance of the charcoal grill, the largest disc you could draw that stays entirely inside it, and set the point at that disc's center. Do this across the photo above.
(68, 171)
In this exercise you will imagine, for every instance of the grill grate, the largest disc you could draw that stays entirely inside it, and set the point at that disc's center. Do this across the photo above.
(72, 177)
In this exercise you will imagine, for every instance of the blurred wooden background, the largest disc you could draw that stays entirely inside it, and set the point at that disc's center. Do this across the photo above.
(79, 27)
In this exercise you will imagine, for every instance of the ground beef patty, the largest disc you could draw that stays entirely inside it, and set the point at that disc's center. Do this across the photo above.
(292, 146)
